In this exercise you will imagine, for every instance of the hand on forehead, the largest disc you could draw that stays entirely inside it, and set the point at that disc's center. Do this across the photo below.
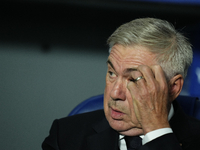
(150, 74)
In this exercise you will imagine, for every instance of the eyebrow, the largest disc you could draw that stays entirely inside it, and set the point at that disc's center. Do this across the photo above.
(110, 63)
(126, 71)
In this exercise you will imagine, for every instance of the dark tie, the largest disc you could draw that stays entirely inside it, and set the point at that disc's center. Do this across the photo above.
(133, 142)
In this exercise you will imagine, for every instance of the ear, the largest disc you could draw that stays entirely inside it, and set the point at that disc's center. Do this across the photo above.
(175, 86)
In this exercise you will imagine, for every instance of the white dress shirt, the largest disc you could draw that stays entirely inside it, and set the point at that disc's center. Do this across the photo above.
(150, 135)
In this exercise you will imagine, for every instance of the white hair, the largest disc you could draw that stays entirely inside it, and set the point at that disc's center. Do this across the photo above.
(173, 51)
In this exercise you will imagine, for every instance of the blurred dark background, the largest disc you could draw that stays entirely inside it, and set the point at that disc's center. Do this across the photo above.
(53, 56)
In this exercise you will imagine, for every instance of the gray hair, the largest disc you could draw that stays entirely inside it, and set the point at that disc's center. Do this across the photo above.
(173, 51)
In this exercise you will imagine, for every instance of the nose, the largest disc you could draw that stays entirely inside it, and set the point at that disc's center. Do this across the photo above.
(118, 91)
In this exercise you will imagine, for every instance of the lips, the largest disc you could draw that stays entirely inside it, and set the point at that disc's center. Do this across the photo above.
(116, 114)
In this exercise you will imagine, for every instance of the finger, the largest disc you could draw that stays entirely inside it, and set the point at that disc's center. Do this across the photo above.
(138, 79)
(159, 73)
(147, 73)
(137, 89)
(134, 90)
(132, 87)
(136, 74)
(160, 78)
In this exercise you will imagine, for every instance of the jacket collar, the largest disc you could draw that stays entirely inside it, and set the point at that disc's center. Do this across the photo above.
(104, 133)
(105, 138)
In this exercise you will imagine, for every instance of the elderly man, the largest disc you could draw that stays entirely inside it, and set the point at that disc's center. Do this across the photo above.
(147, 65)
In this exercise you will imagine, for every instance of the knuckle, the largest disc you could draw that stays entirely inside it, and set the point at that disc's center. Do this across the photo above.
(165, 88)
(152, 89)
(157, 67)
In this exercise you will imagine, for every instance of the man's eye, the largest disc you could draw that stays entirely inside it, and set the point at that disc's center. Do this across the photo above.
(111, 74)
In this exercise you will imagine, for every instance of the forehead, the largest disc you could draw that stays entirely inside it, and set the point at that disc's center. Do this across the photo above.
(131, 55)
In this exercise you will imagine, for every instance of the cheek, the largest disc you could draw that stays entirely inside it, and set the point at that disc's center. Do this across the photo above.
(106, 98)
(108, 88)
(106, 92)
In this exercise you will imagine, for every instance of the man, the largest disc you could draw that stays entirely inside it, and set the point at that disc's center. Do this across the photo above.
(147, 65)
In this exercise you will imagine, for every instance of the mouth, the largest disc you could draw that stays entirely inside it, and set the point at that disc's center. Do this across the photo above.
(116, 114)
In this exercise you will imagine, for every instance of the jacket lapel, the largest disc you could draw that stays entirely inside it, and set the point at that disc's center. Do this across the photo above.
(105, 138)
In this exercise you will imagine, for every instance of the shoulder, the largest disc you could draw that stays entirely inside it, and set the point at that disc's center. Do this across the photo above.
(72, 132)
(89, 117)
(194, 126)
(182, 119)
(79, 123)
(192, 141)
(185, 127)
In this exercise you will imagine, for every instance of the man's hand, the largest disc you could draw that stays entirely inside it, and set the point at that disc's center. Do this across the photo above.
(150, 97)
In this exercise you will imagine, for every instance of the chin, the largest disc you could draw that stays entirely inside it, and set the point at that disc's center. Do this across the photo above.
(118, 125)
(124, 128)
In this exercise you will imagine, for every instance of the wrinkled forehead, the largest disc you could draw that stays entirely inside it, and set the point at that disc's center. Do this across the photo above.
(128, 53)
(123, 53)
(131, 57)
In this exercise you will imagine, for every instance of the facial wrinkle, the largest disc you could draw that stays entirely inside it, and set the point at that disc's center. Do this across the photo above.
(136, 60)
(119, 56)
(123, 62)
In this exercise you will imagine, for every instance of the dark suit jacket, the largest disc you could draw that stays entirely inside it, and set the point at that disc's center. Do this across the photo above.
(91, 131)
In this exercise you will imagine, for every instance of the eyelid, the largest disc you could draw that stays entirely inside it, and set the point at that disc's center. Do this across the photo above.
(111, 72)
(131, 79)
